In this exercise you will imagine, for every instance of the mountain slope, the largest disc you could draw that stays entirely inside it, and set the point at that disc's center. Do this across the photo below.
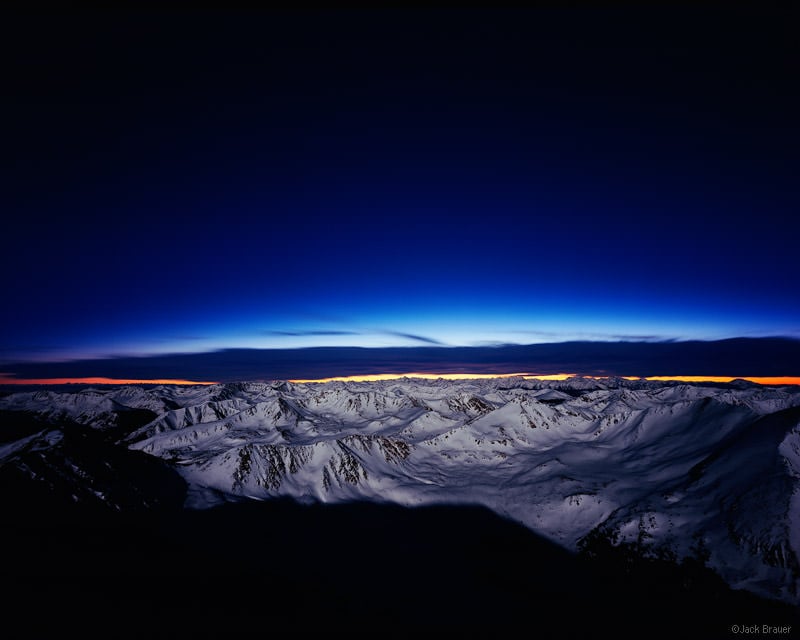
(668, 471)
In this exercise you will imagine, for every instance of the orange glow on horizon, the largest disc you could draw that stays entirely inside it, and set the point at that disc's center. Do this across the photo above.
(6, 380)
(779, 380)
(374, 377)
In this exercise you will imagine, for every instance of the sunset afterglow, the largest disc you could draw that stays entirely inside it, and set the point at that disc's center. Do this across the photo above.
(394, 201)
(376, 377)
(773, 380)
(777, 380)
(4, 379)
(465, 319)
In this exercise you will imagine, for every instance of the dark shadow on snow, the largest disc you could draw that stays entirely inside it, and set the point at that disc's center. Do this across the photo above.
(146, 567)
(363, 568)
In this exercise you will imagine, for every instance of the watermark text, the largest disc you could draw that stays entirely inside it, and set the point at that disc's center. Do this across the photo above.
(760, 629)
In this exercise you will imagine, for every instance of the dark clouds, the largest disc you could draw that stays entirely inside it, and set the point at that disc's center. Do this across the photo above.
(309, 333)
(414, 336)
(324, 332)
(741, 357)
(598, 174)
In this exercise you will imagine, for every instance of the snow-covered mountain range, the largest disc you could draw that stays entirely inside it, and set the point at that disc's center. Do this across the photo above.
(666, 469)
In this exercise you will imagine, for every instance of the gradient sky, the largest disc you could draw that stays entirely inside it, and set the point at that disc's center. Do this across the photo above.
(186, 182)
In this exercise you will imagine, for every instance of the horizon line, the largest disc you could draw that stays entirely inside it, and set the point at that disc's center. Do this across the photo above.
(99, 380)
(377, 377)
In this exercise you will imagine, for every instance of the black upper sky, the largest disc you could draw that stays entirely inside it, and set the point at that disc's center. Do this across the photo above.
(190, 181)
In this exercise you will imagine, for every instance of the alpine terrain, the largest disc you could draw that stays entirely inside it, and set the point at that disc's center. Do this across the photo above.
(584, 495)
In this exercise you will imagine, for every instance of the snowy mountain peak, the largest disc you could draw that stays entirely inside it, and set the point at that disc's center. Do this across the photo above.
(679, 470)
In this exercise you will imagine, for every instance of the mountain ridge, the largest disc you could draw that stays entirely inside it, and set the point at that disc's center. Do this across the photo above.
(683, 471)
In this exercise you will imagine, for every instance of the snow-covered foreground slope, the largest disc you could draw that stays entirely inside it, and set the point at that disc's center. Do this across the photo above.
(671, 470)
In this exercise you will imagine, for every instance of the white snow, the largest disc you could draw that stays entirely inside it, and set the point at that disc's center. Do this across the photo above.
(662, 462)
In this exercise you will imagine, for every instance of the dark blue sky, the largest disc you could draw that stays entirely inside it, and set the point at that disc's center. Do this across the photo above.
(186, 182)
